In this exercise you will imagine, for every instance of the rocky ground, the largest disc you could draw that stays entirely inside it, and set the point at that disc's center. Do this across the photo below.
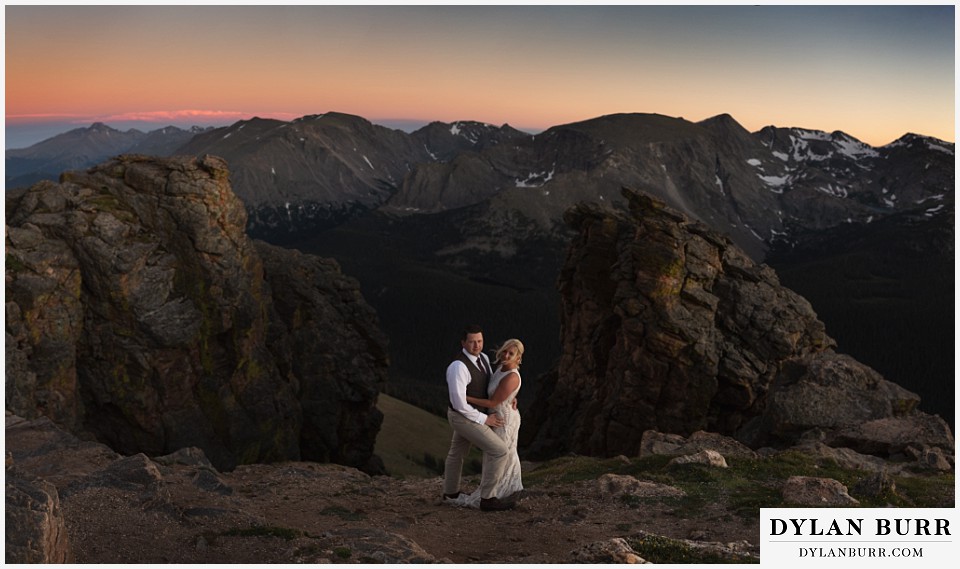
(179, 509)
(680, 501)
(309, 513)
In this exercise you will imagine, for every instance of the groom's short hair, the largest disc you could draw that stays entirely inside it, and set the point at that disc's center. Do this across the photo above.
(470, 329)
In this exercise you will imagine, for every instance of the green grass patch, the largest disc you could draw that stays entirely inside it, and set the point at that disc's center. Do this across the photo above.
(659, 549)
(414, 442)
(14, 264)
(572, 469)
(745, 487)
(928, 492)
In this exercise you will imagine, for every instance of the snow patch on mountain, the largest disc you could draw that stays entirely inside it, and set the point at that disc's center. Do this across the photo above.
(930, 142)
(537, 179)
(841, 143)
(755, 234)
(800, 149)
(837, 191)
(853, 148)
(775, 183)
(939, 148)
(471, 131)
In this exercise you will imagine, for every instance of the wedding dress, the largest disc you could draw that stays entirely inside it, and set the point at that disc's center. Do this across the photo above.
(510, 483)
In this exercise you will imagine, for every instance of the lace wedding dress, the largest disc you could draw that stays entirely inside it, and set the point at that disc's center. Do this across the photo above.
(510, 482)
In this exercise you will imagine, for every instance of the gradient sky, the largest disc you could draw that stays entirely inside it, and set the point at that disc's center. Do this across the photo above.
(874, 72)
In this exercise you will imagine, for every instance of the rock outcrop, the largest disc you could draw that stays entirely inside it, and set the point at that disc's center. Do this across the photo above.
(324, 334)
(35, 527)
(140, 313)
(35, 530)
(667, 325)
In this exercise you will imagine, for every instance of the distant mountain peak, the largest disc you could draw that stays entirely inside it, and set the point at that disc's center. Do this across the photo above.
(444, 140)
(723, 118)
(82, 147)
(918, 140)
(796, 144)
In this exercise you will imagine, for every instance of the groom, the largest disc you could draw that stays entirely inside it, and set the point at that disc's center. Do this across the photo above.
(469, 374)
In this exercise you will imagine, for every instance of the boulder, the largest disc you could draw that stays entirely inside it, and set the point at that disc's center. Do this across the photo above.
(813, 491)
(844, 457)
(875, 485)
(35, 527)
(656, 443)
(932, 458)
(828, 391)
(615, 550)
(618, 485)
(706, 457)
(892, 435)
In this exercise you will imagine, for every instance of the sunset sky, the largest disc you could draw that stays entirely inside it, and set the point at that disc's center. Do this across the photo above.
(874, 72)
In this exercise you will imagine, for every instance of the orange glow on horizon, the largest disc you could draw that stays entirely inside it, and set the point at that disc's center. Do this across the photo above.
(535, 122)
(532, 68)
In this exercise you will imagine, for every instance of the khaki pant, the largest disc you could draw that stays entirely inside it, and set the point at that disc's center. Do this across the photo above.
(466, 433)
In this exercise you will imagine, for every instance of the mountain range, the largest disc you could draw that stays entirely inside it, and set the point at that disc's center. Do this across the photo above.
(462, 221)
(84, 147)
(318, 170)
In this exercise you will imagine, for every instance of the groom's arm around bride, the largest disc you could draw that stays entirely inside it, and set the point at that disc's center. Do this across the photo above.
(469, 374)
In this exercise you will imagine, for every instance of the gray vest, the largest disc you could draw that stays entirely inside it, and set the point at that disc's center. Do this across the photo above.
(478, 379)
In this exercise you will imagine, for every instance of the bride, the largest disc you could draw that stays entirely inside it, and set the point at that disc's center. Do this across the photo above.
(502, 392)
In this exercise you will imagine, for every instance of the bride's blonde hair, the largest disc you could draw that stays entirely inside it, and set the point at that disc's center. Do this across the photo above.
(506, 346)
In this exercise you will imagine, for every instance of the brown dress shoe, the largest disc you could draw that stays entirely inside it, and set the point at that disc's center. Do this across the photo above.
(455, 495)
(495, 505)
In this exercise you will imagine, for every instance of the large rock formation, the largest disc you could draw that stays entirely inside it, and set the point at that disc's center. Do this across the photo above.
(667, 325)
(139, 312)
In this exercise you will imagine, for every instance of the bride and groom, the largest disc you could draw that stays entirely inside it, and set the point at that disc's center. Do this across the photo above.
(473, 385)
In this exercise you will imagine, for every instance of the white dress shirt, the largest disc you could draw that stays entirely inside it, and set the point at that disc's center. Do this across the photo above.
(458, 376)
